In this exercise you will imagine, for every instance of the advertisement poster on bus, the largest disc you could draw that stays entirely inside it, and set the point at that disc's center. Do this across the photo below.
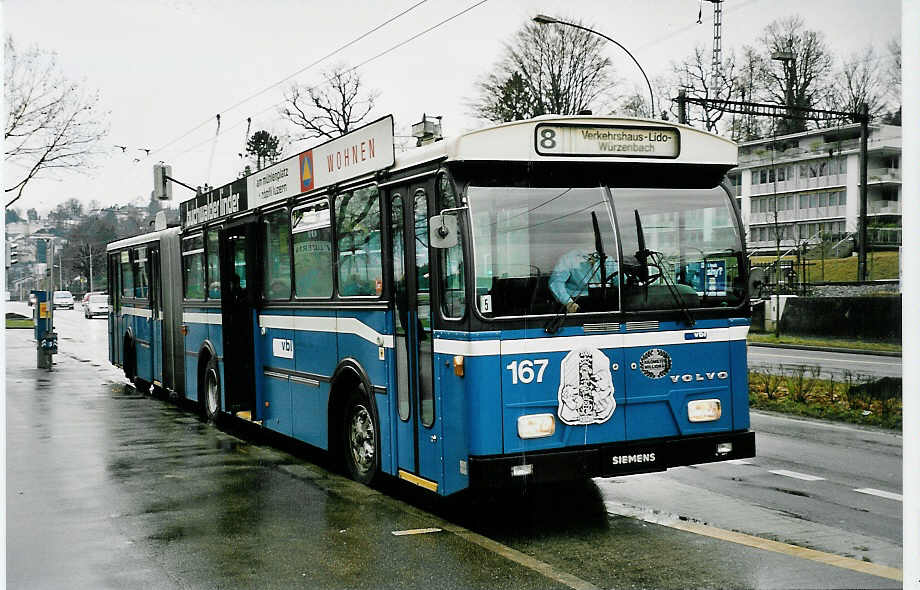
(358, 153)
(715, 278)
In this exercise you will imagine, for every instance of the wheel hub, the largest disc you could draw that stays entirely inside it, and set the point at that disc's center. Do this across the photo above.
(363, 439)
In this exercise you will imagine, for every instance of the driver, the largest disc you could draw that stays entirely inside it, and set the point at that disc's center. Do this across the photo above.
(574, 270)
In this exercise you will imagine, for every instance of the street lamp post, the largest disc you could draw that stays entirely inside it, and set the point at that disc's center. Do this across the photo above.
(546, 20)
(787, 58)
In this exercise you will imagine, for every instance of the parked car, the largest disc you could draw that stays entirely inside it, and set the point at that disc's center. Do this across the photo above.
(96, 304)
(86, 296)
(62, 300)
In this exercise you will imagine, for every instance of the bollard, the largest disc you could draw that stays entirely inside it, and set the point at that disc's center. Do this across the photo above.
(45, 336)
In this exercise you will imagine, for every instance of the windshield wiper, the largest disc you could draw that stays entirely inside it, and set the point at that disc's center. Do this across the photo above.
(602, 258)
(643, 255)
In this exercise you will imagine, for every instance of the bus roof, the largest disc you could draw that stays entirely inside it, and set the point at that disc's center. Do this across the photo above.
(579, 138)
(147, 238)
(366, 151)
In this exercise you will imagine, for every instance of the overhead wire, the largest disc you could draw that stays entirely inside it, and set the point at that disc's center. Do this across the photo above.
(298, 72)
(351, 69)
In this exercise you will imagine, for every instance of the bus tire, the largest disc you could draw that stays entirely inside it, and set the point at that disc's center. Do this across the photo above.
(361, 439)
(210, 386)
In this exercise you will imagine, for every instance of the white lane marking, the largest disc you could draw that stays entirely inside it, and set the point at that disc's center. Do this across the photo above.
(881, 494)
(799, 359)
(796, 475)
(417, 531)
(739, 462)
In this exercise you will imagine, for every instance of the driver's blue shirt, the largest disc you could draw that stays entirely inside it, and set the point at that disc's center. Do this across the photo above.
(573, 273)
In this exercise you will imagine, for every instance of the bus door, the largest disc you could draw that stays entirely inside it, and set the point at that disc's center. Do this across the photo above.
(114, 315)
(418, 439)
(238, 300)
(156, 314)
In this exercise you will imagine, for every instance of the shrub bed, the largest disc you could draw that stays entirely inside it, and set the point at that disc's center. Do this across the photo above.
(858, 399)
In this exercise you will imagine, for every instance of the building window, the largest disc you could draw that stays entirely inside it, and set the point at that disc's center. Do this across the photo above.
(832, 199)
(842, 200)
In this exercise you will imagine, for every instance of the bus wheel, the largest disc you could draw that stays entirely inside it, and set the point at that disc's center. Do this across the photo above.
(361, 439)
(141, 386)
(211, 391)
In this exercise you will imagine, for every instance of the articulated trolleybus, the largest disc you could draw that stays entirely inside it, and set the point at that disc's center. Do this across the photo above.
(544, 300)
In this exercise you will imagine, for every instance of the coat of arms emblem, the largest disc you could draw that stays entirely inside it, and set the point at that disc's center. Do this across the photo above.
(585, 388)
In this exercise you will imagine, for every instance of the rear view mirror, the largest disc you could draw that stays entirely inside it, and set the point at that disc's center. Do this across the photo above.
(756, 280)
(442, 231)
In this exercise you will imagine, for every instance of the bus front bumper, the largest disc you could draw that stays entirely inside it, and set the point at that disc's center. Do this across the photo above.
(609, 460)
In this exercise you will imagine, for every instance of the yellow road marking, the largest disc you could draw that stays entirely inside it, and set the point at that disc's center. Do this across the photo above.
(523, 559)
(849, 563)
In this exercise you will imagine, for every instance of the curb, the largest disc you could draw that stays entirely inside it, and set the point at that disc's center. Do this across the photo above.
(827, 349)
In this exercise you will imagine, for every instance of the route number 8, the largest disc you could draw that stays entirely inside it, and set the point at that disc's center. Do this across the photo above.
(547, 138)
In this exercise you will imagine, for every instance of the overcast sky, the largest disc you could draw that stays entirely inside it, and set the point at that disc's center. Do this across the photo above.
(165, 67)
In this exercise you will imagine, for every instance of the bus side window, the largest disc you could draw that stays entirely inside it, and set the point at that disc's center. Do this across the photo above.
(453, 285)
(357, 219)
(277, 264)
(193, 266)
(213, 265)
(127, 274)
(312, 237)
(140, 272)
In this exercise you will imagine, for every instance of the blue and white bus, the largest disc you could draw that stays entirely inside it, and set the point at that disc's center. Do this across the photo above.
(543, 300)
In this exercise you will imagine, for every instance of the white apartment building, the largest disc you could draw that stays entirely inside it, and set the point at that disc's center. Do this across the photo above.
(807, 184)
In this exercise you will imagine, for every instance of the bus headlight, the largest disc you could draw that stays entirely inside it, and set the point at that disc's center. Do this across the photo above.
(704, 410)
(536, 425)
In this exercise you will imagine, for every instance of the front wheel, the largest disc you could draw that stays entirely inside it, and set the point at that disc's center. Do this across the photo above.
(361, 439)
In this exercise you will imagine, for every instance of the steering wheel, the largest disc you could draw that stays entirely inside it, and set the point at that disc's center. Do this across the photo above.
(633, 272)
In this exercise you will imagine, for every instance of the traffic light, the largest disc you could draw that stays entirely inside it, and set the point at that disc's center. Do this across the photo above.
(14, 253)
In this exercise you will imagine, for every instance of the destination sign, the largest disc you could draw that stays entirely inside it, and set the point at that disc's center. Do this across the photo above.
(220, 202)
(611, 141)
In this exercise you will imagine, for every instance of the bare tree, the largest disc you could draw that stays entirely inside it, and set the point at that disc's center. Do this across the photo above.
(545, 69)
(52, 122)
(86, 240)
(796, 69)
(331, 108)
(696, 77)
(893, 70)
(860, 81)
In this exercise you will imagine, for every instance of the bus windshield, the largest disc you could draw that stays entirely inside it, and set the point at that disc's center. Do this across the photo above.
(541, 250)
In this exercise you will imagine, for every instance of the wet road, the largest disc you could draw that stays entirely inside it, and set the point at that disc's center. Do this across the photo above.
(110, 489)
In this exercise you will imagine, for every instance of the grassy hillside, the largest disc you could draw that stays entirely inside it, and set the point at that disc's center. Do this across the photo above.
(882, 265)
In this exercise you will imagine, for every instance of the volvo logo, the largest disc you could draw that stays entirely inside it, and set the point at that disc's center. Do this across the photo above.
(708, 376)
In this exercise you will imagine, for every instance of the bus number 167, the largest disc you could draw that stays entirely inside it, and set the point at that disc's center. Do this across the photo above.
(524, 371)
